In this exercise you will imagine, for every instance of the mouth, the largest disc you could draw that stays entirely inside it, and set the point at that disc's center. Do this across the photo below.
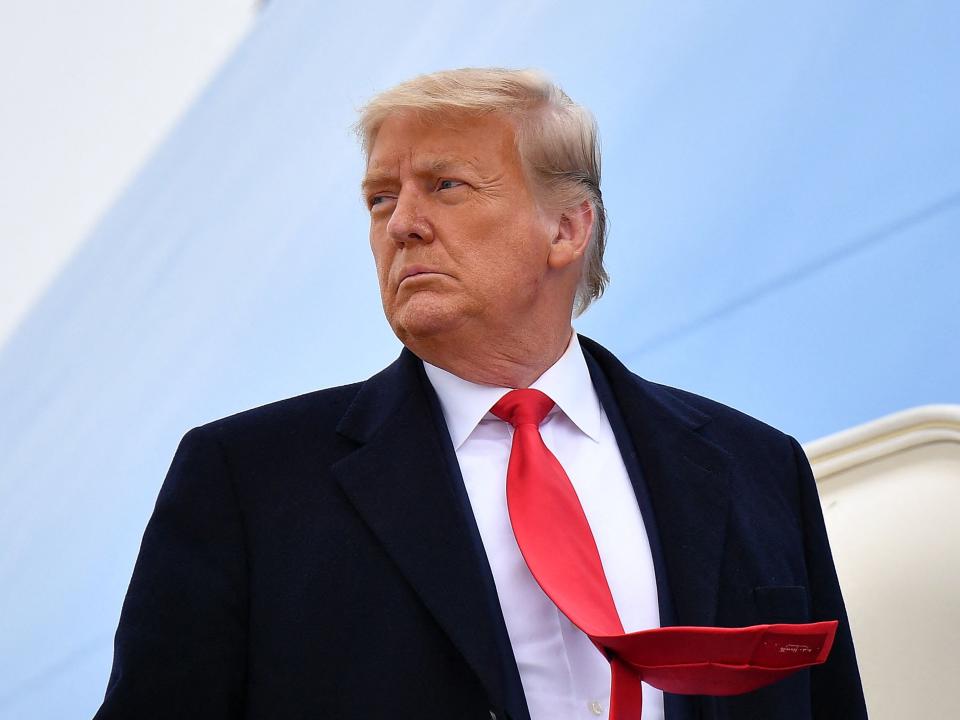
(414, 272)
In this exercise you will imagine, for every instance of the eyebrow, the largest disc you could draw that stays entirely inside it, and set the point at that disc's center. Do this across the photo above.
(437, 165)
(376, 177)
(445, 163)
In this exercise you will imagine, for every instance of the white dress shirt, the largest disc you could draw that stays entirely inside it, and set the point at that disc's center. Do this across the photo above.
(564, 677)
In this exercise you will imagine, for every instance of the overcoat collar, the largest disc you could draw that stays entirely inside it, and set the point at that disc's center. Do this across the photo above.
(400, 482)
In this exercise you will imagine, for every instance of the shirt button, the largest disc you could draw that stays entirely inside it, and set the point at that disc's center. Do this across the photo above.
(596, 707)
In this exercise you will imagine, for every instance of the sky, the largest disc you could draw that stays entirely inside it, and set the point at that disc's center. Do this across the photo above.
(784, 194)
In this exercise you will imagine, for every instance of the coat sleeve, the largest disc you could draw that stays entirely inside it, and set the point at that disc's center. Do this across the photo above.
(835, 685)
(180, 645)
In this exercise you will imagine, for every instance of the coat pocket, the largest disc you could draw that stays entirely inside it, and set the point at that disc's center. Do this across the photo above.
(782, 604)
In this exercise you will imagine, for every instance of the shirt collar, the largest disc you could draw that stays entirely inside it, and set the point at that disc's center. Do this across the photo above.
(567, 382)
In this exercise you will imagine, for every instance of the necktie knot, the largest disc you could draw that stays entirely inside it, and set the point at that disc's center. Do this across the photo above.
(522, 407)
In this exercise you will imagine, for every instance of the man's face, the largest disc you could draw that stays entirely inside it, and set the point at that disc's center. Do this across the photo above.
(458, 238)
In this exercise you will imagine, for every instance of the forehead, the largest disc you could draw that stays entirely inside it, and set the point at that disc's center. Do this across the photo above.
(407, 138)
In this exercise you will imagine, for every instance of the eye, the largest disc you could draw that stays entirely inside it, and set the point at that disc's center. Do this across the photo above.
(378, 199)
(448, 184)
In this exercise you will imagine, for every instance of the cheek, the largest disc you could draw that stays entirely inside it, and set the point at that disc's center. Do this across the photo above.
(382, 257)
(521, 251)
(497, 252)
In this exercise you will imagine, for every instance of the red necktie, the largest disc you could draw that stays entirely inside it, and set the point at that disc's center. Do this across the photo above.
(556, 543)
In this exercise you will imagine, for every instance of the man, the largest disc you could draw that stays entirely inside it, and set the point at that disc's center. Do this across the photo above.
(352, 553)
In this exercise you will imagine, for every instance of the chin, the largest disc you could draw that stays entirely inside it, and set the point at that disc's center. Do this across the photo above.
(425, 320)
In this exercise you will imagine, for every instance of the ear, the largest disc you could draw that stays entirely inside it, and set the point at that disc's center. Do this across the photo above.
(572, 237)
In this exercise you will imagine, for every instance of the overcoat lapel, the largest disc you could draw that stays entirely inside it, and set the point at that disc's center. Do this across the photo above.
(400, 483)
(687, 478)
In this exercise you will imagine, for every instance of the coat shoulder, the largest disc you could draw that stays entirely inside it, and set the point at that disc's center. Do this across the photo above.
(312, 414)
(720, 416)
(665, 404)
(742, 436)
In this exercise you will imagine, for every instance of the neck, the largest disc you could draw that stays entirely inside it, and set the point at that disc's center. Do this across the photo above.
(512, 361)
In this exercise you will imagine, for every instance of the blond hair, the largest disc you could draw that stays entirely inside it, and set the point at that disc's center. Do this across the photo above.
(556, 138)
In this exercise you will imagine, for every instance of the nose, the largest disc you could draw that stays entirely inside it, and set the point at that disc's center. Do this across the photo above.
(408, 223)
